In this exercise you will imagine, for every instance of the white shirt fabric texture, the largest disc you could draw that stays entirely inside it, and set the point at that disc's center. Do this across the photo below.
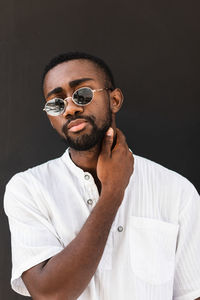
(153, 249)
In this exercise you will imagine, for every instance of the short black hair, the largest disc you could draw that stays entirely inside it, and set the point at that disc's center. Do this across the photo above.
(64, 57)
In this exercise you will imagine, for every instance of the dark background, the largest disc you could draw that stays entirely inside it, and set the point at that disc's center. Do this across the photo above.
(153, 48)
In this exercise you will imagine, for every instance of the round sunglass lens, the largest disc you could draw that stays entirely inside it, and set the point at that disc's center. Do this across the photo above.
(55, 107)
(83, 96)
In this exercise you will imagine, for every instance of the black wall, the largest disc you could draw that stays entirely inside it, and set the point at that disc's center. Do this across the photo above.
(153, 48)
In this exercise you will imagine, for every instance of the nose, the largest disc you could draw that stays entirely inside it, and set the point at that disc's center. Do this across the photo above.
(71, 108)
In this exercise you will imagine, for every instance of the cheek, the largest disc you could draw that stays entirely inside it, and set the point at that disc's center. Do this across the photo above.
(104, 113)
(100, 110)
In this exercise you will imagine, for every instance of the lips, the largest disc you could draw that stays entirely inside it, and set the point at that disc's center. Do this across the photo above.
(77, 125)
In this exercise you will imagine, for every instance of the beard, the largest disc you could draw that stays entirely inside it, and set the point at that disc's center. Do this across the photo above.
(85, 142)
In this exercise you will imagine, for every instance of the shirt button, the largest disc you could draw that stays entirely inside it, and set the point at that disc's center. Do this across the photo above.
(87, 177)
(120, 228)
(89, 201)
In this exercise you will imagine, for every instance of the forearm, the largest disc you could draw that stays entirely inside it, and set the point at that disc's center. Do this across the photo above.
(67, 274)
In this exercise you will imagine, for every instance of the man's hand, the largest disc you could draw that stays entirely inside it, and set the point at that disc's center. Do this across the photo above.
(114, 166)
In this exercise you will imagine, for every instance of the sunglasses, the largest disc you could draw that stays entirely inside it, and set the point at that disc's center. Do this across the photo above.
(81, 97)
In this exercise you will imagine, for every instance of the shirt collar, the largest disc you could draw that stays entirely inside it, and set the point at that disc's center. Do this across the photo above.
(70, 164)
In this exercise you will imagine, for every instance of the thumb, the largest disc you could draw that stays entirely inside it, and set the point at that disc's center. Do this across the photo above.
(107, 142)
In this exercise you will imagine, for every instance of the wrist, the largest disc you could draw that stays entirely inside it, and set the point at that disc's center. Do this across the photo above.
(110, 194)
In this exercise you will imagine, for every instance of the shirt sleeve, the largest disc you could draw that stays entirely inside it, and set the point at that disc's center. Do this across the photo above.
(33, 238)
(187, 270)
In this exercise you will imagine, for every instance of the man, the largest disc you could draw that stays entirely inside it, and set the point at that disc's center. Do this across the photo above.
(86, 225)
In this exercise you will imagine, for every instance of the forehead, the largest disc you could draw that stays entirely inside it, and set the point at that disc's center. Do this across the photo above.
(66, 72)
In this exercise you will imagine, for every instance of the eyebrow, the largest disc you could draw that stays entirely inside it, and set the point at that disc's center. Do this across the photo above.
(76, 82)
(72, 84)
(55, 91)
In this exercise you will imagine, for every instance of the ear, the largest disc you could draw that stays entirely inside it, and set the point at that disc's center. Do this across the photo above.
(116, 100)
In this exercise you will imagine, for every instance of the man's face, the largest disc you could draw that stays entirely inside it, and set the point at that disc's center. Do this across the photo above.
(82, 127)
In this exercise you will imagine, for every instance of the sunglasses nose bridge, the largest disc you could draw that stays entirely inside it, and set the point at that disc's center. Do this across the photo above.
(71, 107)
(66, 99)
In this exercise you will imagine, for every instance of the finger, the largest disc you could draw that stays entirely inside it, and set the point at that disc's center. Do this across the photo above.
(120, 137)
(107, 142)
(121, 140)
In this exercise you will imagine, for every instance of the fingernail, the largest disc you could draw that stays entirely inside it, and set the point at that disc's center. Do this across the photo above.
(109, 132)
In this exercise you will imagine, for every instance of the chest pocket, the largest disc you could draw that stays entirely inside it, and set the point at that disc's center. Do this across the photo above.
(152, 249)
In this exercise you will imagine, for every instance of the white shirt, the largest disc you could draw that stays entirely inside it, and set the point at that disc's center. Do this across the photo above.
(153, 249)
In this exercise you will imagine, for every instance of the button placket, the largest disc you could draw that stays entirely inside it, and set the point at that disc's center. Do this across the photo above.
(120, 228)
(86, 176)
(90, 202)
(90, 191)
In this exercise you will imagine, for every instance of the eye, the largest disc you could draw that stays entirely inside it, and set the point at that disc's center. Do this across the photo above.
(55, 106)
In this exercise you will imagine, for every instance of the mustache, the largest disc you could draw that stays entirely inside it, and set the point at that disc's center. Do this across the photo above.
(89, 119)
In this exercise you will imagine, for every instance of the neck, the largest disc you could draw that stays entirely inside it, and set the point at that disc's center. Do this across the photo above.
(86, 160)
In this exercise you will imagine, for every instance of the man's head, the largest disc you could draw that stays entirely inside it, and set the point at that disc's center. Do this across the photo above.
(65, 57)
(82, 126)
